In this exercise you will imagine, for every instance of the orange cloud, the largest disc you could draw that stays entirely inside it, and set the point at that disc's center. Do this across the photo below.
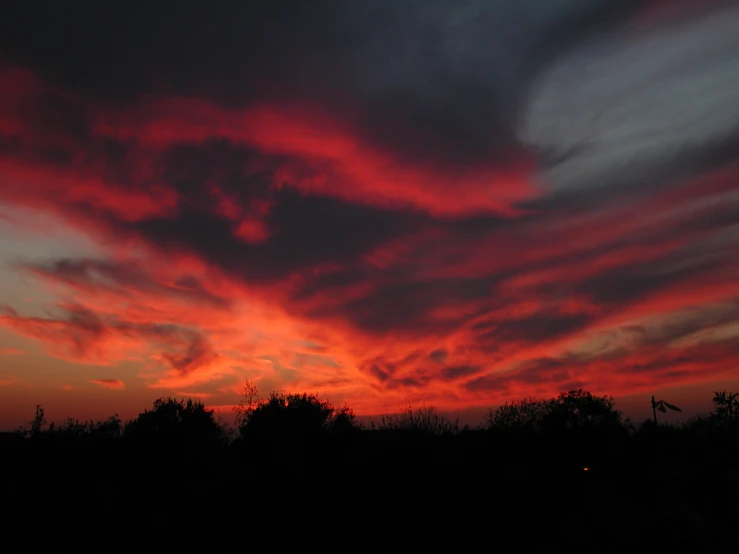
(10, 351)
(112, 384)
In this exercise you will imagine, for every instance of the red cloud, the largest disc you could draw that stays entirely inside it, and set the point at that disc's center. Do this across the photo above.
(329, 157)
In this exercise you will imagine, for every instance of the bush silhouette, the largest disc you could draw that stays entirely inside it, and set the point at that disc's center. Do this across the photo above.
(173, 420)
(726, 409)
(575, 410)
(75, 430)
(520, 415)
(579, 410)
(343, 421)
(296, 415)
(425, 420)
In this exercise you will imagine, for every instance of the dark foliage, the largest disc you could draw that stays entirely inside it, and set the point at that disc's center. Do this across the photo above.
(176, 421)
(289, 414)
(556, 475)
(424, 421)
(71, 430)
(573, 411)
(726, 408)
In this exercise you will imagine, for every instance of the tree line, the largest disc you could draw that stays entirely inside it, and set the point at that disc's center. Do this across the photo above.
(568, 470)
(284, 415)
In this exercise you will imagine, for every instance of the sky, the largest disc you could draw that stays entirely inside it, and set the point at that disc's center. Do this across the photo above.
(449, 203)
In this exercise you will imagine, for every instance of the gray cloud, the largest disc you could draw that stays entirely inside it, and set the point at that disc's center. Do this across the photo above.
(638, 105)
(422, 77)
(101, 275)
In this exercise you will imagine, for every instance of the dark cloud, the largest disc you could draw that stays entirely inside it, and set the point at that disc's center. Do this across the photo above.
(378, 368)
(407, 372)
(408, 382)
(413, 75)
(78, 329)
(538, 328)
(195, 169)
(643, 357)
(632, 283)
(439, 355)
(405, 306)
(98, 275)
(198, 354)
(305, 232)
(378, 373)
(84, 335)
(459, 371)
(83, 329)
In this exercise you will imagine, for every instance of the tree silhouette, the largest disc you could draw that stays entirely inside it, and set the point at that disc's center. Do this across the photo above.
(173, 420)
(662, 406)
(575, 410)
(249, 400)
(726, 406)
(288, 414)
(519, 415)
(38, 423)
(36, 427)
(579, 410)
(295, 415)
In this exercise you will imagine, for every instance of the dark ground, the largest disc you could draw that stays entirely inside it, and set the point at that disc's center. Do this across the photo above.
(375, 491)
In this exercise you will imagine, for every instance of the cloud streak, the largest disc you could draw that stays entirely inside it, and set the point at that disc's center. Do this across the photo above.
(111, 384)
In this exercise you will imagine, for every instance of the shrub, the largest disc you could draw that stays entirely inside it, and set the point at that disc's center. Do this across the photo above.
(173, 420)
(425, 420)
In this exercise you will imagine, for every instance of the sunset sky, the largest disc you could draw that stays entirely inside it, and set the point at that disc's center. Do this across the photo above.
(382, 202)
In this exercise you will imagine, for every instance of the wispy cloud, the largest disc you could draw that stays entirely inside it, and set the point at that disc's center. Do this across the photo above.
(11, 351)
(112, 384)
